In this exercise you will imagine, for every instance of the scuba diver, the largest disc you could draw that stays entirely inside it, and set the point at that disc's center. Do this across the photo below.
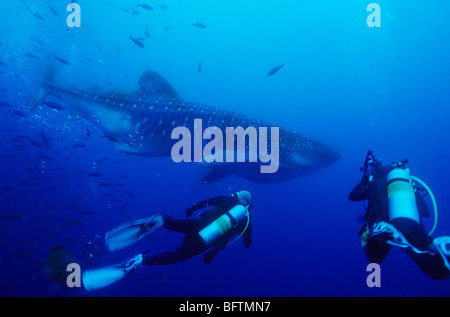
(394, 214)
(212, 229)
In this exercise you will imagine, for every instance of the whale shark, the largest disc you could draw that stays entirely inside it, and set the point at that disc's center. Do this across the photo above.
(141, 122)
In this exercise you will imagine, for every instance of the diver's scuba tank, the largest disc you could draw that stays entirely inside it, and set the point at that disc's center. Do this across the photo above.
(401, 195)
(223, 224)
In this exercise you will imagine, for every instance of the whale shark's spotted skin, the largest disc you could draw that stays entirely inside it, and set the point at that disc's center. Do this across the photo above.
(142, 122)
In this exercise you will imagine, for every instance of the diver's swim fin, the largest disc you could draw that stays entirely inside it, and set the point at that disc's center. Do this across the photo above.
(99, 278)
(132, 231)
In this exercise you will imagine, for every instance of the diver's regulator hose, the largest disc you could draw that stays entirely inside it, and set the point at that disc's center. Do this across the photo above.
(246, 226)
(433, 201)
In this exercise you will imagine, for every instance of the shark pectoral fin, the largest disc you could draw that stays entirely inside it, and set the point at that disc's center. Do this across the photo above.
(152, 83)
(130, 149)
(217, 173)
(37, 97)
(124, 148)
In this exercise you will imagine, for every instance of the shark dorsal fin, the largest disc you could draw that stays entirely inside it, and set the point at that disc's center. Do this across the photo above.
(152, 83)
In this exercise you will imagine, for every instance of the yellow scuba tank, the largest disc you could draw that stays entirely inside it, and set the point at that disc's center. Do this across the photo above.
(401, 196)
(223, 224)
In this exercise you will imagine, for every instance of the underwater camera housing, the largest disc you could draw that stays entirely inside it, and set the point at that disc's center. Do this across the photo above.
(370, 163)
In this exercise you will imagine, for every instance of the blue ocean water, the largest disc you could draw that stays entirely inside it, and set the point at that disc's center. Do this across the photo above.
(346, 84)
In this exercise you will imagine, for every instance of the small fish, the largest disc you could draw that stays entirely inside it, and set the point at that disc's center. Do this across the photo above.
(53, 105)
(46, 140)
(19, 113)
(53, 10)
(123, 207)
(31, 55)
(94, 174)
(15, 140)
(104, 184)
(47, 157)
(199, 25)
(86, 212)
(162, 276)
(24, 253)
(129, 193)
(61, 60)
(48, 214)
(37, 15)
(69, 240)
(137, 42)
(2, 63)
(145, 6)
(37, 143)
(13, 216)
(199, 68)
(162, 6)
(53, 232)
(117, 49)
(5, 104)
(77, 222)
(274, 70)
(72, 207)
(127, 215)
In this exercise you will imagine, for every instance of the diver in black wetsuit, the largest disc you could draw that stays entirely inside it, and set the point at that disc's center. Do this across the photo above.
(394, 217)
(193, 243)
(213, 230)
